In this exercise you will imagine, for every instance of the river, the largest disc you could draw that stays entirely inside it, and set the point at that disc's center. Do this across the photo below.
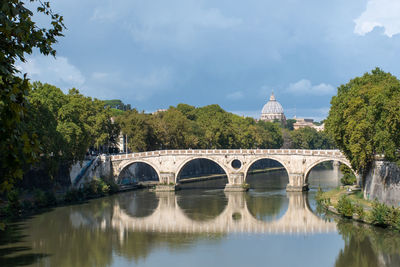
(201, 227)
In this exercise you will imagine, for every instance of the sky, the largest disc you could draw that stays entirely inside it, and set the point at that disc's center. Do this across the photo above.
(153, 54)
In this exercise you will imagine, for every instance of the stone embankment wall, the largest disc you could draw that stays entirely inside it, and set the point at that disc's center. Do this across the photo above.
(100, 168)
(383, 183)
(76, 169)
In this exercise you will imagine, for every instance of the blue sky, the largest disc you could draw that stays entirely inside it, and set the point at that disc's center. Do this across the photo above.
(157, 53)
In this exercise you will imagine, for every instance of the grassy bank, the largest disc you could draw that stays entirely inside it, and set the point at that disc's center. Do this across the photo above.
(351, 204)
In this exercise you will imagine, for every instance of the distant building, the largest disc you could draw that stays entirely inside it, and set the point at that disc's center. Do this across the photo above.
(158, 111)
(301, 123)
(273, 111)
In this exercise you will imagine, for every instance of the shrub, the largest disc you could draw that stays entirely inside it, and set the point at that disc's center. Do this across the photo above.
(348, 179)
(245, 186)
(348, 176)
(74, 195)
(379, 214)
(103, 188)
(319, 194)
(393, 217)
(39, 198)
(113, 187)
(345, 207)
(96, 187)
(359, 210)
(90, 189)
(51, 198)
(26, 205)
(14, 205)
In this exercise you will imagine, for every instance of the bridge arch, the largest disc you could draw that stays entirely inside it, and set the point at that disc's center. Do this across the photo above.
(246, 170)
(315, 163)
(183, 164)
(126, 165)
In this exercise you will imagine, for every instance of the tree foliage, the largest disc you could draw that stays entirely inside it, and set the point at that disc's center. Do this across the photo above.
(66, 125)
(364, 119)
(19, 35)
(309, 138)
(186, 126)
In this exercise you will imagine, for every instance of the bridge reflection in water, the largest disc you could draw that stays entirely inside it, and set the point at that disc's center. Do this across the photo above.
(169, 217)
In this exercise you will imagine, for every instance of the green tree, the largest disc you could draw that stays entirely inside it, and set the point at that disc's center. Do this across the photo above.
(45, 101)
(19, 35)
(348, 176)
(139, 129)
(364, 119)
(67, 125)
(309, 138)
(289, 124)
(175, 130)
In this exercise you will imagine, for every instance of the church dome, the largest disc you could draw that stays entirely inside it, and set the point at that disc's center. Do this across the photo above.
(272, 106)
(273, 111)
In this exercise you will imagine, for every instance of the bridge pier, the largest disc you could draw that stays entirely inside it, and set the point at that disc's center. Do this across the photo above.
(167, 182)
(236, 183)
(296, 183)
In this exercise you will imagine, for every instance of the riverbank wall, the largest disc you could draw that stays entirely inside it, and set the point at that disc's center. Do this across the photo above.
(383, 183)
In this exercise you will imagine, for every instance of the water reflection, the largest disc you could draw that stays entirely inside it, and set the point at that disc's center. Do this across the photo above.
(201, 205)
(236, 216)
(139, 203)
(267, 205)
(367, 246)
(144, 228)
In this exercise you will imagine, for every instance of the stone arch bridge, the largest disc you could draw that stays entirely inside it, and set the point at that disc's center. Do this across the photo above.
(235, 162)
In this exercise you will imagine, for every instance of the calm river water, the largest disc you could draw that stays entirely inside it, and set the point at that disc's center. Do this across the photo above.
(201, 227)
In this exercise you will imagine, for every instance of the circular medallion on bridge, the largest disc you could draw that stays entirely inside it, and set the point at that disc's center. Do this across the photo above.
(236, 164)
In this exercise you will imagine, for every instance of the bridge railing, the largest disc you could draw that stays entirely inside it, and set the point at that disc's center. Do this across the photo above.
(306, 152)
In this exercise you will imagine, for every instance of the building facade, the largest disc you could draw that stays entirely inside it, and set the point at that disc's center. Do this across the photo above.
(301, 123)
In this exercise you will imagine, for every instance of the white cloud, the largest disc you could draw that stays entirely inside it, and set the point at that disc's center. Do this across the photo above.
(58, 72)
(235, 95)
(379, 13)
(304, 87)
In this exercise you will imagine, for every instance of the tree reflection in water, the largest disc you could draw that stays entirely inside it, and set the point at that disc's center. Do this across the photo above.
(367, 246)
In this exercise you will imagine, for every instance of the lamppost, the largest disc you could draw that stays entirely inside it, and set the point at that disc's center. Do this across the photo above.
(126, 144)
